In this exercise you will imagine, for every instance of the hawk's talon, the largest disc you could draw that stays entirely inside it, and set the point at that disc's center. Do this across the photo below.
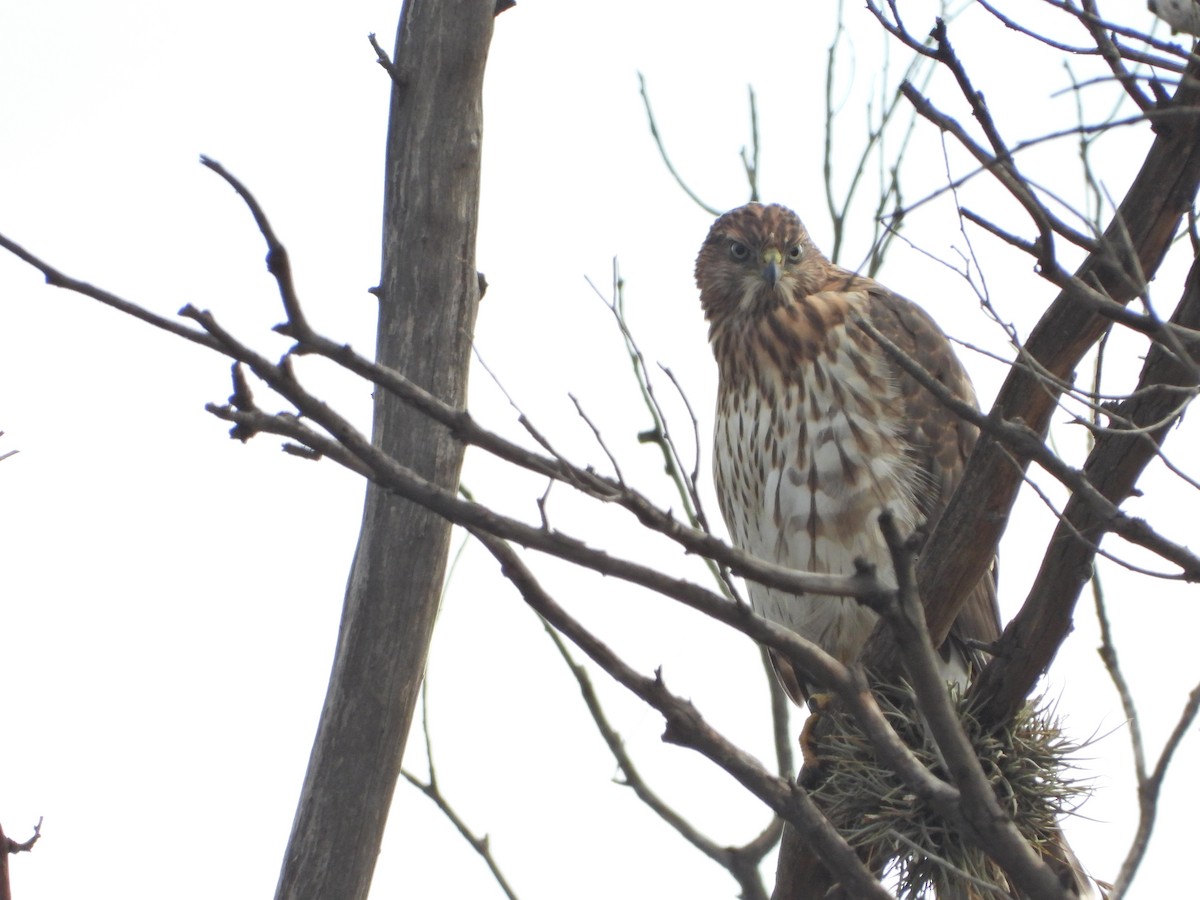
(817, 704)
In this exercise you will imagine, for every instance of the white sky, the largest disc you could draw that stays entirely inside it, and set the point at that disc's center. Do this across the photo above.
(171, 598)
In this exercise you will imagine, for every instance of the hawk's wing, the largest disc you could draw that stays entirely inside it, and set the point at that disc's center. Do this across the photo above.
(940, 440)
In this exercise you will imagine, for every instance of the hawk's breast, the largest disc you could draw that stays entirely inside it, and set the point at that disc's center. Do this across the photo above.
(809, 450)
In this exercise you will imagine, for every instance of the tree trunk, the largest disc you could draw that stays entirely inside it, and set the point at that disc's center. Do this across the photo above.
(428, 298)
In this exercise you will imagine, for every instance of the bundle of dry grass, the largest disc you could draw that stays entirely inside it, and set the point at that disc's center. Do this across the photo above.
(1029, 765)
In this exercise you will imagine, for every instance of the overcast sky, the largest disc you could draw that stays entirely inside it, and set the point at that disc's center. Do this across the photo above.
(171, 597)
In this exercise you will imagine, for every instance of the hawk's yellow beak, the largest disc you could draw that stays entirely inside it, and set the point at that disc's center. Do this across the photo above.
(772, 261)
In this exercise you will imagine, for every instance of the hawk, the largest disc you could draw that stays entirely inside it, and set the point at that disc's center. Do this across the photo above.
(1181, 15)
(818, 430)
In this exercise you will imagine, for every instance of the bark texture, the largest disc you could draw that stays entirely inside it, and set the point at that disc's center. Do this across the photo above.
(429, 293)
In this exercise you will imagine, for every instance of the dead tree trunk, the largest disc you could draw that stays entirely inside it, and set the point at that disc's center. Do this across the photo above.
(428, 297)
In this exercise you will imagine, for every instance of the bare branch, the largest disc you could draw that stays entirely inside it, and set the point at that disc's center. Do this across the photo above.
(480, 845)
(740, 862)
(599, 438)
(11, 846)
(1149, 790)
(959, 551)
(1112, 467)
(1107, 45)
(662, 150)
(353, 449)
(686, 480)
(1087, 15)
(385, 61)
(55, 278)
(1027, 444)
(1004, 170)
(278, 263)
(7, 847)
(750, 160)
(686, 727)
(1149, 783)
(992, 828)
(877, 129)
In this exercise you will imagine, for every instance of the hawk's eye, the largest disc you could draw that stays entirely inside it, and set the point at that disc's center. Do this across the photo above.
(738, 250)
(794, 253)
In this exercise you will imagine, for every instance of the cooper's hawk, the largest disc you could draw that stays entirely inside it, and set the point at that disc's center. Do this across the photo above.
(818, 429)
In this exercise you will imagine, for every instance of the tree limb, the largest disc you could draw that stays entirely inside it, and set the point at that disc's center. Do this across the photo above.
(963, 544)
(1113, 467)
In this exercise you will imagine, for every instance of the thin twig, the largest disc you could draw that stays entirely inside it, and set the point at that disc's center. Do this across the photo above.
(596, 433)
(481, 845)
(1149, 784)
(686, 485)
(662, 151)
(385, 61)
(750, 162)
(733, 859)
(278, 263)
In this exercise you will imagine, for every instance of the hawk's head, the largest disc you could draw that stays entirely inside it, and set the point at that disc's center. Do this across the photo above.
(757, 257)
